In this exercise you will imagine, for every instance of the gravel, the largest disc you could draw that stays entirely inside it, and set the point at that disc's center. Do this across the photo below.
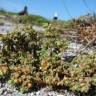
(8, 90)
(7, 27)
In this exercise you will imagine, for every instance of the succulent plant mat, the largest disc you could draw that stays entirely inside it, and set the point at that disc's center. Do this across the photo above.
(28, 60)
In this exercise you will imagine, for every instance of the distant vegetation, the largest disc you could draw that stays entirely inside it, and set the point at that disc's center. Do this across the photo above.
(31, 19)
(4, 12)
(1, 22)
(37, 20)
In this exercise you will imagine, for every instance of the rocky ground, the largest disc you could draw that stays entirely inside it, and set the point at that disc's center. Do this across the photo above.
(8, 90)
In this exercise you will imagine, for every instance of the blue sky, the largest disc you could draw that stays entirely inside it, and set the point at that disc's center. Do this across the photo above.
(47, 8)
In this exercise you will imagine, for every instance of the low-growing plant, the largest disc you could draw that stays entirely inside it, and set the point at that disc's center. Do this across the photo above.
(33, 60)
